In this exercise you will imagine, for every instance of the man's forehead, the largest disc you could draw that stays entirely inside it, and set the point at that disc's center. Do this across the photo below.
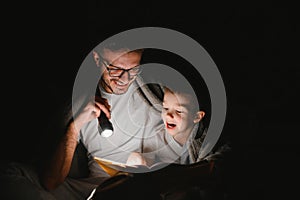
(115, 54)
(120, 54)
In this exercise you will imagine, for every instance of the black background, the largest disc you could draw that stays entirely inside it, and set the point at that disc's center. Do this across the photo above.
(254, 46)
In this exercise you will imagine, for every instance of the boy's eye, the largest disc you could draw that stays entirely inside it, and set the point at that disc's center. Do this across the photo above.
(178, 111)
(165, 108)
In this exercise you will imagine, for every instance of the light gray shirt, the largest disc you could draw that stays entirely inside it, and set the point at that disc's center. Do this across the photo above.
(133, 120)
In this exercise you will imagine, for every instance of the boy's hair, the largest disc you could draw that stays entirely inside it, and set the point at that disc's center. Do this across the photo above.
(184, 91)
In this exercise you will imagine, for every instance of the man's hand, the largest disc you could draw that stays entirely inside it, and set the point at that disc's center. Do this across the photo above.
(91, 111)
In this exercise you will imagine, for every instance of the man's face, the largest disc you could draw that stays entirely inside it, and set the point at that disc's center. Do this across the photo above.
(177, 115)
(118, 60)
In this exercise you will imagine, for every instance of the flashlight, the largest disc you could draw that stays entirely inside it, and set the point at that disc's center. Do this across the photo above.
(105, 126)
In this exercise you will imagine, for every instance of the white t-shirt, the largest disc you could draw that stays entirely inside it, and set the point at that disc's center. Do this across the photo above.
(133, 120)
(162, 147)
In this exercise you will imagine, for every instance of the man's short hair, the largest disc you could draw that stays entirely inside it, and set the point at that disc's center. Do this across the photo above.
(113, 46)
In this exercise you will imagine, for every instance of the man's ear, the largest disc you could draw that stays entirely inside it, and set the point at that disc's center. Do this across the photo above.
(96, 58)
(199, 116)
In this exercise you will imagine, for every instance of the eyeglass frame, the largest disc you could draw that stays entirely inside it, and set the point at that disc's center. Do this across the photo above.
(119, 68)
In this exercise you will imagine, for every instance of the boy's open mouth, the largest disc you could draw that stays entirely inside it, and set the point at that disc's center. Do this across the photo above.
(170, 125)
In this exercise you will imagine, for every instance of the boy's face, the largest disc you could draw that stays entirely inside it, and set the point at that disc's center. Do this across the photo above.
(177, 113)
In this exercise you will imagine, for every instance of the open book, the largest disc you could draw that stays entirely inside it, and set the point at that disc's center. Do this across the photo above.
(166, 180)
(112, 167)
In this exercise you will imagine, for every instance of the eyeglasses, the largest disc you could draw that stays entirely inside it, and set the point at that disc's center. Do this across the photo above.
(115, 71)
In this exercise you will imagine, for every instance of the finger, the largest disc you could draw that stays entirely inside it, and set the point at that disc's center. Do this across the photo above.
(104, 109)
(102, 101)
(96, 111)
(93, 109)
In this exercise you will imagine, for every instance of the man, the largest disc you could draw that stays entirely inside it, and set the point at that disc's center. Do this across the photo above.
(129, 105)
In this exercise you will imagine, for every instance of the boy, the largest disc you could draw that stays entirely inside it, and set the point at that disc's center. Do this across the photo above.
(183, 124)
(182, 120)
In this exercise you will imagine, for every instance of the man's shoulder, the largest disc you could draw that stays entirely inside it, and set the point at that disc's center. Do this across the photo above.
(155, 89)
(152, 92)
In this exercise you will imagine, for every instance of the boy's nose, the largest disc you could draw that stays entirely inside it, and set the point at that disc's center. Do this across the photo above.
(170, 114)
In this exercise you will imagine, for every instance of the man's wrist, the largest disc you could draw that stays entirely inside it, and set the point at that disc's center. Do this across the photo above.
(73, 131)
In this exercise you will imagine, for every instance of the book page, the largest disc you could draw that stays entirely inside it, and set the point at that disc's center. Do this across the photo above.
(112, 167)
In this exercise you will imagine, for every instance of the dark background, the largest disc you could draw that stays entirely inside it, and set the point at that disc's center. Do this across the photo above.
(254, 46)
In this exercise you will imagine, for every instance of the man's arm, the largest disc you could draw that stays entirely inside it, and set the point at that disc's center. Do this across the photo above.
(57, 168)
